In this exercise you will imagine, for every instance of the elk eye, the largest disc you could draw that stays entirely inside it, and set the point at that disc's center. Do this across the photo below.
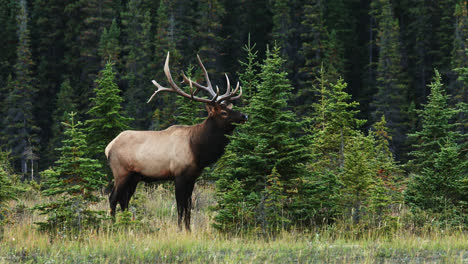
(223, 113)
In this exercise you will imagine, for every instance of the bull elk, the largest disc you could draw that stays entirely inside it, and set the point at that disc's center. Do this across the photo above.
(179, 153)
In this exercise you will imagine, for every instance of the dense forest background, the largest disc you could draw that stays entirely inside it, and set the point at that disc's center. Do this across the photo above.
(363, 83)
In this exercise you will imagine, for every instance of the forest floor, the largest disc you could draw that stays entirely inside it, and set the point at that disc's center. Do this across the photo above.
(156, 239)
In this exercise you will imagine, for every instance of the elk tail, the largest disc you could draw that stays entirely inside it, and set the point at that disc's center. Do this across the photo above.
(108, 148)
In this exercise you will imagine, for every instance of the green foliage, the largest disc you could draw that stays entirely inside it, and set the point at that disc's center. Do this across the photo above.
(8, 40)
(125, 220)
(109, 48)
(436, 125)
(73, 183)
(248, 76)
(64, 105)
(263, 158)
(371, 178)
(274, 196)
(334, 121)
(441, 189)
(209, 23)
(9, 188)
(439, 162)
(391, 94)
(357, 176)
(138, 67)
(188, 111)
(19, 129)
(106, 120)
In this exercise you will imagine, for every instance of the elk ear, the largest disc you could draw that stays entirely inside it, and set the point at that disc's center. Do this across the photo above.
(229, 106)
(210, 108)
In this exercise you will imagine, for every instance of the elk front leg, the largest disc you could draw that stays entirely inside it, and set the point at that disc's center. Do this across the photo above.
(188, 209)
(183, 189)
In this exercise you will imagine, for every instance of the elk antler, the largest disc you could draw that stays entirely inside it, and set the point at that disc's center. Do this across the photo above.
(208, 88)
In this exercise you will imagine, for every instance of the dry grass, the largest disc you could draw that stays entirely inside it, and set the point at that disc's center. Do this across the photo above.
(159, 241)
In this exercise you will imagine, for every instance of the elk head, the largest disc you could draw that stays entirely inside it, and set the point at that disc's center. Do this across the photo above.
(219, 107)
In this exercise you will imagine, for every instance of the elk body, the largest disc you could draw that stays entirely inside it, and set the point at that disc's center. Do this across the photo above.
(179, 153)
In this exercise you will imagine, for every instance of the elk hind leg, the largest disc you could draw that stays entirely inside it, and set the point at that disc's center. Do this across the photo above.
(117, 193)
(113, 202)
(128, 190)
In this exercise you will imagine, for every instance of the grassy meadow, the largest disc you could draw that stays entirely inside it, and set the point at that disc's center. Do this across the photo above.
(155, 238)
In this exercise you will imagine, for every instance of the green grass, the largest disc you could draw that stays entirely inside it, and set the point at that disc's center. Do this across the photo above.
(158, 240)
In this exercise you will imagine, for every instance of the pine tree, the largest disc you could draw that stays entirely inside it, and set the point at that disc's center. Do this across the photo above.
(138, 49)
(459, 62)
(168, 35)
(73, 183)
(387, 186)
(8, 187)
(242, 21)
(209, 25)
(48, 48)
(265, 142)
(96, 15)
(391, 94)
(106, 120)
(334, 121)
(20, 133)
(440, 188)
(315, 38)
(287, 32)
(333, 124)
(8, 39)
(443, 29)
(188, 111)
(436, 125)
(321, 49)
(65, 104)
(357, 176)
(248, 75)
(439, 163)
(418, 38)
(109, 47)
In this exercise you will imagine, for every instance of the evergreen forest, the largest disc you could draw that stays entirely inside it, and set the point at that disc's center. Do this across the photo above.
(357, 108)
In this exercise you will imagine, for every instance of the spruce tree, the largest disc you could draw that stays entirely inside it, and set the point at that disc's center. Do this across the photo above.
(9, 189)
(96, 15)
(208, 30)
(371, 179)
(357, 176)
(105, 116)
(168, 35)
(334, 121)
(390, 98)
(188, 111)
(48, 45)
(332, 125)
(248, 74)
(458, 86)
(8, 39)
(73, 182)
(65, 104)
(439, 163)
(20, 132)
(321, 50)
(109, 46)
(264, 157)
(139, 64)
(436, 125)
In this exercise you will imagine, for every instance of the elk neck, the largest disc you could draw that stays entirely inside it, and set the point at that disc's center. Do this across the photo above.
(208, 141)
